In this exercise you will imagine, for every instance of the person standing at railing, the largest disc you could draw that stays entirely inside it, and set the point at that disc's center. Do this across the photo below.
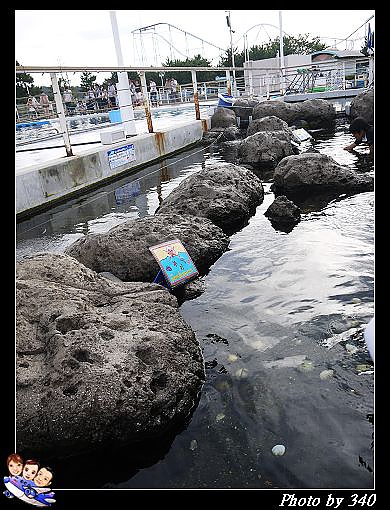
(68, 100)
(112, 94)
(45, 103)
(32, 106)
(153, 93)
(174, 85)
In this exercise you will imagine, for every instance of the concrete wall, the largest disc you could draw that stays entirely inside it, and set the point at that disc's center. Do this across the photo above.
(39, 186)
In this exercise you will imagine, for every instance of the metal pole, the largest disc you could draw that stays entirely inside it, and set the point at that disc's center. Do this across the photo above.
(231, 48)
(144, 89)
(61, 113)
(196, 100)
(123, 88)
(228, 84)
(282, 85)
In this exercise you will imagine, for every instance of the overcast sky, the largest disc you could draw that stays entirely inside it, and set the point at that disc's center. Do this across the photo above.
(85, 37)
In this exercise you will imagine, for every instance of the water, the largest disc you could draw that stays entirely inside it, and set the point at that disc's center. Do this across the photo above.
(85, 129)
(269, 325)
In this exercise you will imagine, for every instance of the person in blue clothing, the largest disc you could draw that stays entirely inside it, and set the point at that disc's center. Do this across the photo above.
(362, 132)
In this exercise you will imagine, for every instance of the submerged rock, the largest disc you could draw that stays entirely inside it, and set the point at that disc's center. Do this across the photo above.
(124, 250)
(318, 171)
(225, 193)
(107, 362)
(282, 210)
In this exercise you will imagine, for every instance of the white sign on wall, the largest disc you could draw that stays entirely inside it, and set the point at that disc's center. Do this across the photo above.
(121, 155)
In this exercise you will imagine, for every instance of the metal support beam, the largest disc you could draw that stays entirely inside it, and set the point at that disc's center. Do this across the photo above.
(146, 101)
(123, 88)
(196, 99)
(61, 113)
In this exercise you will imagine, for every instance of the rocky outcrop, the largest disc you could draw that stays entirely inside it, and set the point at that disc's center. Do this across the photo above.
(363, 106)
(317, 113)
(285, 111)
(283, 211)
(223, 118)
(224, 193)
(265, 149)
(123, 250)
(98, 362)
(270, 123)
(318, 172)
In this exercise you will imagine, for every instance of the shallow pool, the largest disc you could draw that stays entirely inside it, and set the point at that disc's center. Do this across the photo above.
(281, 328)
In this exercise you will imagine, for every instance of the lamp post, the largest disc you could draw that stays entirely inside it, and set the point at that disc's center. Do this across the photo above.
(231, 48)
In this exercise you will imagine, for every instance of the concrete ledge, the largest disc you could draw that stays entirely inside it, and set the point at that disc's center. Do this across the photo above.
(40, 186)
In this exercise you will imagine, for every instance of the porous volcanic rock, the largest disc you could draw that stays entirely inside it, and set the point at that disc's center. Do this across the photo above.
(225, 193)
(123, 250)
(265, 149)
(282, 211)
(318, 113)
(270, 123)
(318, 171)
(97, 362)
(363, 106)
(223, 118)
(285, 111)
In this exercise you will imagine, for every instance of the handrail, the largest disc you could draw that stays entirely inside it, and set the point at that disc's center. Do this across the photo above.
(81, 69)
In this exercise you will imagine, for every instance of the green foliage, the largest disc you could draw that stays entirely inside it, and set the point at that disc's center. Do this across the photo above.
(185, 77)
(300, 44)
(87, 80)
(25, 85)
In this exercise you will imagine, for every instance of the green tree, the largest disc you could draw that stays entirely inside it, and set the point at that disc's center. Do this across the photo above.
(25, 85)
(87, 80)
(300, 44)
(196, 61)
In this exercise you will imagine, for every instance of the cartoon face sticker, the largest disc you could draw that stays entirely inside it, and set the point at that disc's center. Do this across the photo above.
(15, 464)
(30, 470)
(43, 477)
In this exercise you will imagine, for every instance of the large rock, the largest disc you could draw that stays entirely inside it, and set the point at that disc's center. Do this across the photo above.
(318, 171)
(97, 362)
(270, 123)
(265, 149)
(363, 106)
(223, 118)
(285, 111)
(318, 113)
(225, 193)
(123, 250)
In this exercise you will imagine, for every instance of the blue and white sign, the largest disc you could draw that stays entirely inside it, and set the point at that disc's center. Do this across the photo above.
(121, 155)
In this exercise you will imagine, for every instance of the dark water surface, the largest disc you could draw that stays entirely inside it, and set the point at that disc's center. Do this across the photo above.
(281, 328)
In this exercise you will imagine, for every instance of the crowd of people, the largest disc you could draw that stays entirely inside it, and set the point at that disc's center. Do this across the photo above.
(99, 98)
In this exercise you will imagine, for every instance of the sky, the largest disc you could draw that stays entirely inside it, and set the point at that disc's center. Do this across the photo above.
(57, 37)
